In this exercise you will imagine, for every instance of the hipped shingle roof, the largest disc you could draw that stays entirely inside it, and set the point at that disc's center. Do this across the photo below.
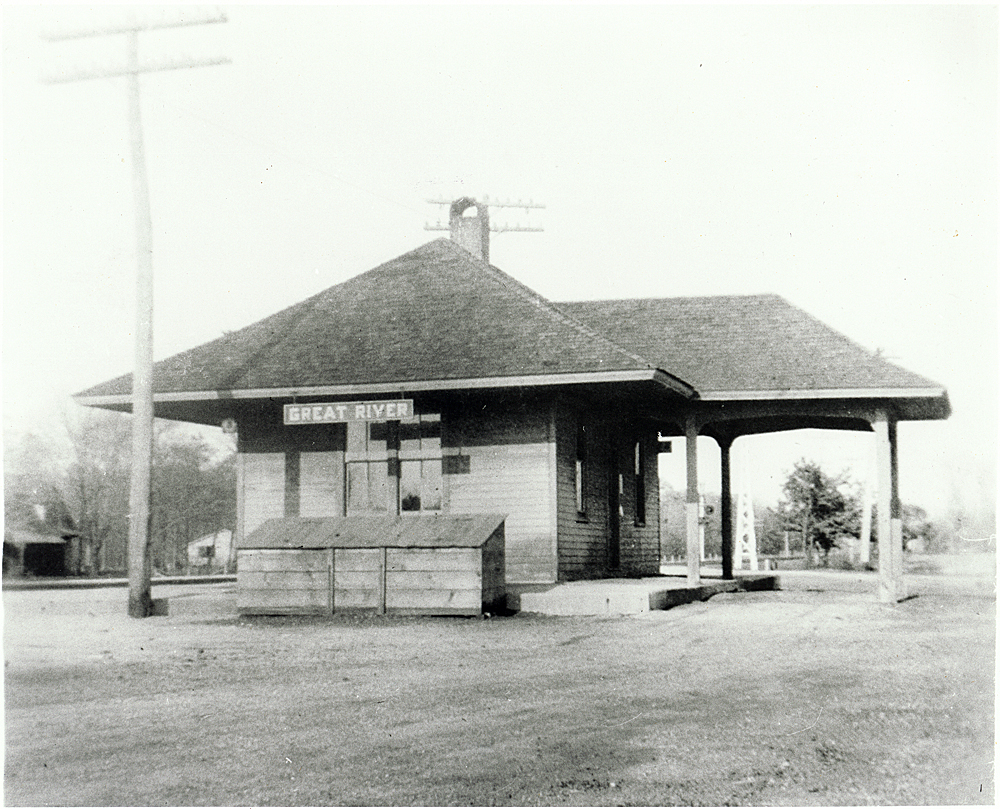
(439, 314)
(435, 313)
(733, 344)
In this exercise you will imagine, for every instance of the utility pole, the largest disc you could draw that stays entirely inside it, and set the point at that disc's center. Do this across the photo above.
(140, 602)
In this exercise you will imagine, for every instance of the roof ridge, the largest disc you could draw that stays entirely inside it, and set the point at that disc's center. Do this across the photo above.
(543, 303)
(675, 298)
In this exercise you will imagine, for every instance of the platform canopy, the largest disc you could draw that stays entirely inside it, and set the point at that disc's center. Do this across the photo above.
(759, 364)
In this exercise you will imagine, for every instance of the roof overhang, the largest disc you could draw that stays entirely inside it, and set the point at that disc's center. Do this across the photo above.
(906, 404)
(831, 393)
(123, 401)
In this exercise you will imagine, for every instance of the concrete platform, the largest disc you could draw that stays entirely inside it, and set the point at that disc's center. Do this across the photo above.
(627, 596)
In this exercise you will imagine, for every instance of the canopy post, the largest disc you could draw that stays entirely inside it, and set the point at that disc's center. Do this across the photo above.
(693, 538)
(891, 587)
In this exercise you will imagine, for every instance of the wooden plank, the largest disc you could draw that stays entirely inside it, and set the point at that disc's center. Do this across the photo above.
(403, 611)
(432, 559)
(433, 599)
(283, 579)
(434, 580)
(282, 598)
(355, 599)
(354, 579)
(288, 560)
(263, 610)
(357, 559)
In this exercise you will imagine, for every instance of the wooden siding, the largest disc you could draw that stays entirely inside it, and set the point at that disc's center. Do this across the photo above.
(584, 539)
(513, 480)
(321, 484)
(509, 473)
(278, 582)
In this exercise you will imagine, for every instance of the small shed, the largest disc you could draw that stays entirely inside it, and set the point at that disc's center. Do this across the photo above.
(428, 564)
(211, 552)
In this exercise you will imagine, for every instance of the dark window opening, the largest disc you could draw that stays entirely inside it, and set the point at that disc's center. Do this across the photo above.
(640, 484)
(580, 472)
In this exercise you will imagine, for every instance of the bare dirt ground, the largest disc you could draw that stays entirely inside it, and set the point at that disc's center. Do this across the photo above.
(815, 695)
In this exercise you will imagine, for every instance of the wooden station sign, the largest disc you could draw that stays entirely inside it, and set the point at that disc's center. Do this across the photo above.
(334, 412)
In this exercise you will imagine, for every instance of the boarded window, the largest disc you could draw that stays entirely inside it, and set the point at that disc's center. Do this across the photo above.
(367, 460)
(263, 488)
(321, 484)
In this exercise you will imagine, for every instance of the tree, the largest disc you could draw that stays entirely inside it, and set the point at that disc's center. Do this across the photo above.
(923, 534)
(194, 493)
(29, 478)
(95, 486)
(85, 472)
(817, 505)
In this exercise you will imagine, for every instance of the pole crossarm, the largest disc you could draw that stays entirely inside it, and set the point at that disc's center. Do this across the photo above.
(132, 27)
(493, 228)
(493, 203)
(150, 67)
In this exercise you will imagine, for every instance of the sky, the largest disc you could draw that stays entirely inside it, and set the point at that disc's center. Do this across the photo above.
(843, 157)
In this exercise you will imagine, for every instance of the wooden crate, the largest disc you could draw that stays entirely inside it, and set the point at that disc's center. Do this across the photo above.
(445, 565)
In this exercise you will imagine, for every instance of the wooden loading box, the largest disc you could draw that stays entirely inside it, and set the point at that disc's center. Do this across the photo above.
(430, 565)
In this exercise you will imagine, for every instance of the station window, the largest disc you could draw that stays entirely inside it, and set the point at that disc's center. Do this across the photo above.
(394, 466)
(420, 464)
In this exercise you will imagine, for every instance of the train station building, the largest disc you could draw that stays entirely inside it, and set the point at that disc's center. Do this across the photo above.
(436, 384)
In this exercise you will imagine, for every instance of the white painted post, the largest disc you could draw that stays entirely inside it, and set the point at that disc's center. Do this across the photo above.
(889, 527)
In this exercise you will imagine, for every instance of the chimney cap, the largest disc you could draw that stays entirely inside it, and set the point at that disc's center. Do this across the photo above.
(470, 232)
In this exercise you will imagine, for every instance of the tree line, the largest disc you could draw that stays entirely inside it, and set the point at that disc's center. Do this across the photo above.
(80, 476)
(817, 514)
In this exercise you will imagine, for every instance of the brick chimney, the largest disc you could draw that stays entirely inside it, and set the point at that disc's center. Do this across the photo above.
(471, 232)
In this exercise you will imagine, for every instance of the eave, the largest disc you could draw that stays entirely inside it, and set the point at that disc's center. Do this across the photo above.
(671, 383)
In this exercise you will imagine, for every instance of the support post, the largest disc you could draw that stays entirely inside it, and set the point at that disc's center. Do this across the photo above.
(693, 541)
(726, 508)
(889, 526)
(140, 602)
